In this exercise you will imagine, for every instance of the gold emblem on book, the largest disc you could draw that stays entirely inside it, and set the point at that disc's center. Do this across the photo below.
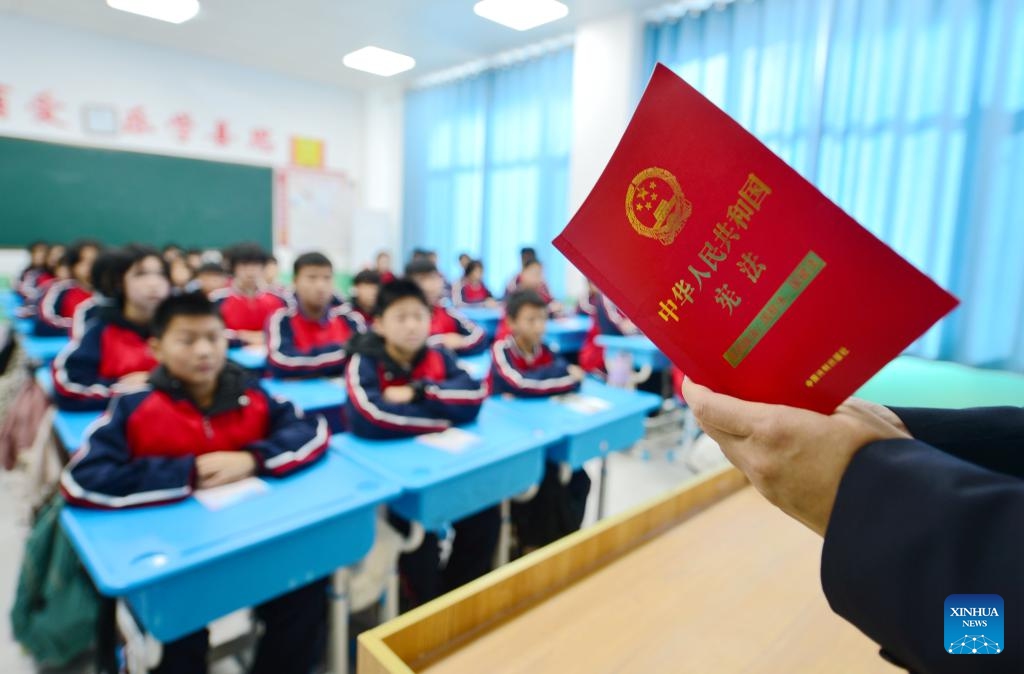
(656, 205)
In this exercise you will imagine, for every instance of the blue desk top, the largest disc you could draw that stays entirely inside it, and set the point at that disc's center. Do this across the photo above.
(24, 326)
(44, 377)
(71, 428)
(43, 349)
(564, 335)
(249, 357)
(503, 459)
(589, 430)
(183, 564)
(478, 365)
(309, 395)
(643, 350)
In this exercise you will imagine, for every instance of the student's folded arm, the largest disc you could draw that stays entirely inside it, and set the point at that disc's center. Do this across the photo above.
(991, 437)
(458, 397)
(49, 308)
(104, 474)
(77, 384)
(293, 441)
(474, 339)
(548, 380)
(370, 415)
(911, 525)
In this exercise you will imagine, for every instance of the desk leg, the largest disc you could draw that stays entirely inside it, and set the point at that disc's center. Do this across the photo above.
(391, 596)
(106, 637)
(603, 489)
(502, 554)
(337, 643)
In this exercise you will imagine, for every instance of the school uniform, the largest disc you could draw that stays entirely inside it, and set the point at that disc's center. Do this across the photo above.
(30, 281)
(302, 347)
(446, 395)
(242, 312)
(608, 320)
(444, 320)
(557, 509)
(86, 371)
(56, 312)
(468, 293)
(143, 452)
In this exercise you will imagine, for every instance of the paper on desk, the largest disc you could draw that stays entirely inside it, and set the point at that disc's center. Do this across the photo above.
(217, 498)
(453, 440)
(255, 349)
(469, 367)
(583, 404)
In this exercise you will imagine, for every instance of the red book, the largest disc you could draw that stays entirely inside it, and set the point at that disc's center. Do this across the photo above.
(741, 271)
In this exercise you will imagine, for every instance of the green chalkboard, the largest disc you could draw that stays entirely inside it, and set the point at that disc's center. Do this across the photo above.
(62, 193)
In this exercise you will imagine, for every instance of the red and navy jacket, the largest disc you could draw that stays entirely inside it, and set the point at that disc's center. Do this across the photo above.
(86, 370)
(57, 308)
(465, 293)
(142, 451)
(446, 321)
(446, 395)
(528, 375)
(245, 312)
(366, 316)
(30, 281)
(299, 346)
(608, 320)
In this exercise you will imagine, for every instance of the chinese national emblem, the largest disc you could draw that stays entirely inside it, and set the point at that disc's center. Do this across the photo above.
(656, 206)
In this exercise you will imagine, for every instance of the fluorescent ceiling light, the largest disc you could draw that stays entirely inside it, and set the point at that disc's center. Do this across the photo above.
(172, 11)
(521, 14)
(377, 61)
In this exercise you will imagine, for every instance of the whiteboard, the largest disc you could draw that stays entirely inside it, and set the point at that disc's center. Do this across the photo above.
(314, 211)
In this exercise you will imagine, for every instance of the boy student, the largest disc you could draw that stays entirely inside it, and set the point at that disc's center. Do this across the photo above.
(202, 422)
(112, 354)
(400, 387)
(210, 277)
(58, 304)
(308, 338)
(523, 366)
(246, 304)
(365, 287)
(447, 328)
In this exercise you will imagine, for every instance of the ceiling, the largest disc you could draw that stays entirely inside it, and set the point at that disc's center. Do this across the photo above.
(306, 39)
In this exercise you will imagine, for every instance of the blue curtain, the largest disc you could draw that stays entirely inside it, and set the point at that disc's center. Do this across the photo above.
(909, 114)
(487, 167)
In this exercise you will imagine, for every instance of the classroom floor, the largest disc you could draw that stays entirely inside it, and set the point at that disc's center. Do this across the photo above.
(657, 464)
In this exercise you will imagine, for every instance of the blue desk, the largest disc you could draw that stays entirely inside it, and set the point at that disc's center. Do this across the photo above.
(439, 487)
(44, 377)
(643, 350)
(71, 428)
(43, 349)
(478, 365)
(249, 357)
(179, 566)
(584, 434)
(486, 317)
(313, 396)
(23, 326)
(566, 335)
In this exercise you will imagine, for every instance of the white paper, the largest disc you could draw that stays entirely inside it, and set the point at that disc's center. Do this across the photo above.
(255, 349)
(453, 440)
(233, 493)
(583, 404)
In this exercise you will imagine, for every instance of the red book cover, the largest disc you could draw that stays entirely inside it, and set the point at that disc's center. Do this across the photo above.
(745, 275)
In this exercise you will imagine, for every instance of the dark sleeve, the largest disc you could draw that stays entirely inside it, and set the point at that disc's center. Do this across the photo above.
(912, 525)
(77, 384)
(551, 379)
(285, 359)
(369, 415)
(458, 398)
(991, 437)
(104, 474)
(294, 440)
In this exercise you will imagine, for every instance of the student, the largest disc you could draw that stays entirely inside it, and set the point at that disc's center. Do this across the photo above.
(384, 267)
(181, 274)
(172, 252)
(194, 258)
(35, 273)
(246, 304)
(203, 423)
(209, 278)
(105, 277)
(608, 320)
(398, 386)
(464, 260)
(112, 354)
(587, 303)
(446, 287)
(470, 290)
(447, 327)
(271, 276)
(308, 338)
(522, 366)
(365, 287)
(58, 304)
(526, 255)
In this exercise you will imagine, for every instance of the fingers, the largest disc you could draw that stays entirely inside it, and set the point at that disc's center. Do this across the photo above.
(726, 414)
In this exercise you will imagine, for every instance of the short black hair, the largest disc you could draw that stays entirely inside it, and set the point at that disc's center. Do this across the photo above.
(366, 276)
(244, 253)
(111, 265)
(528, 251)
(312, 259)
(420, 267)
(523, 298)
(35, 244)
(185, 304)
(73, 253)
(399, 289)
(211, 268)
(472, 266)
